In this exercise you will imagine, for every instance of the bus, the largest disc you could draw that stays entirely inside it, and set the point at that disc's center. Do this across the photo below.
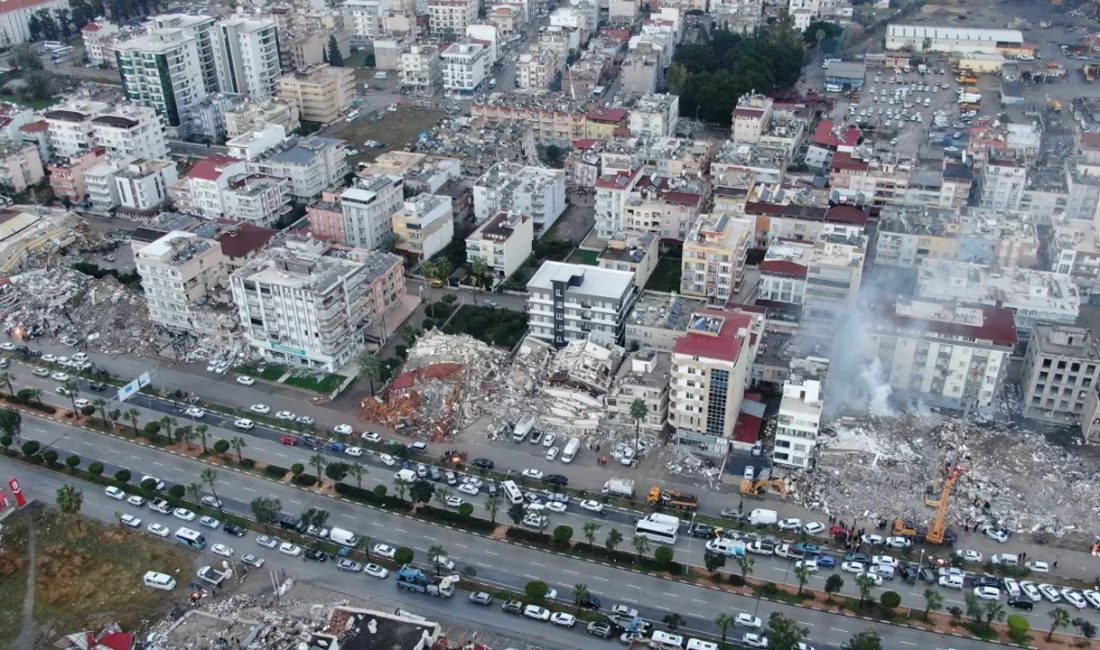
(191, 538)
(52, 45)
(512, 491)
(570, 451)
(658, 528)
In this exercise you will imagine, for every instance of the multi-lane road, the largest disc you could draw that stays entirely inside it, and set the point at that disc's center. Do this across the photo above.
(494, 560)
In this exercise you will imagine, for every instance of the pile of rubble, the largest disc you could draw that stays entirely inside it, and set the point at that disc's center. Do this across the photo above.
(103, 314)
(882, 468)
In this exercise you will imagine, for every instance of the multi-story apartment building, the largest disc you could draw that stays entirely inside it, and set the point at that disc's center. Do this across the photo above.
(368, 209)
(20, 165)
(248, 56)
(535, 191)
(258, 199)
(948, 354)
(67, 179)
(303, 307)
(751, 117)
(800, 409)
(203, 189)
(163, 70)
(15, 18)
(129, 131)
(632, 250)
(710, 369)
(180, 271)
(664, 206)
(143, 185)
(568, 301)
(1061, 369)
(612, 193)
(654, 115)
(200, 28)
(99, 181)
(536, 69)
(551, 121)
(321, 93)
(503, 242)
(424, 226)
(908, 234)
(1002, 184)
(69, 126)
(465, 64)
(451, 16)
(311, 165)
(643, 375)
(363, 19)
(99, 39)
(248, 115)
(421, 68)
(820, 279)
(714, 257)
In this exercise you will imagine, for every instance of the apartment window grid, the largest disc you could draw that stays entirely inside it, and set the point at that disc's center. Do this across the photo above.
(716, 401)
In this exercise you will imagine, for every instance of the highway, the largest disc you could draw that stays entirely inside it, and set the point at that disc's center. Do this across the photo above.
(509, 565)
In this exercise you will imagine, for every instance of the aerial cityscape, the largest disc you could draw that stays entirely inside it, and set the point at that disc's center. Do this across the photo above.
(549, 324)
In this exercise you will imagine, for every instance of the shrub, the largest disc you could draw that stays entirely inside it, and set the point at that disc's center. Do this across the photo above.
(403, 555)
(275, 471)
(177, 491)
(305, 480)
(95, 469)
(466, 509)
(31, 447)
(536, 589)
(151, 429)
(379, 490)
(122, 476)
(149, 484)
(87, 410)
(449, 298)
(890, 599)
(337, 471)
(562, 535)
(221, 446)
(429, 324)
(663, 554)
(1018, 628)
(5, 441)
(73, 461)
(297, 468)
(248, 463)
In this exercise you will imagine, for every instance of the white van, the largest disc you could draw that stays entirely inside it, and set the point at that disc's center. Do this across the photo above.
(696, 644)
(666, 640)
(159, 581)
(1004, 559)
(512, 492)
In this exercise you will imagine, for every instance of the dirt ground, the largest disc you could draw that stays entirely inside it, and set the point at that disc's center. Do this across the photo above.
(395, 130)
(13, 578)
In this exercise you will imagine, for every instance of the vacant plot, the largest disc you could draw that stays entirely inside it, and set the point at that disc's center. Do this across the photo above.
(394, 130)
(666, 276)
(13, 579)
(495, 326)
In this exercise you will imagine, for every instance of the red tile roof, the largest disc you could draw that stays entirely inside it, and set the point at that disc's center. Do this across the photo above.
(823, 135)
(605, 114)
(246, 239)
(748, 112)
(998, 325)
(441, 371)
(846, 214)
(15, 5)
(724, 345)
(783, 267)
(1090, 140)
(844, 160)
(35, 127)
(619, 181)
(584, 143)
(621, 132)
(211, 169)
(682, 198)
(748, 427)
(90, 27)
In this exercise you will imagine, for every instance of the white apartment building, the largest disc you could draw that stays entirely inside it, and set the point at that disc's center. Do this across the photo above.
(654, 115)
(800, 412)
(536, 69)
(948, 354)
(714, 255)
(99, 181)
(566, 302)
(424, 226)
(368, 210)
(465, 64)
(15, 17)
(143, 185)
(503, 242)
(69, 126)
(1061, 369)
(363, 19)
(751, 117)
(164, 71)
(1002, 184)
(613, 191)
(710, 369)
(248, 57)
(254, 144)
(206, 184)
(179, 271)
(258, 199)
(821, 278)
(421, 68)
(302, 307)
(311, 165)
(644, 376)
(246, 116)
(130, 131)
(451, 16)
(535, 191)
(201, 28)
(99, 42)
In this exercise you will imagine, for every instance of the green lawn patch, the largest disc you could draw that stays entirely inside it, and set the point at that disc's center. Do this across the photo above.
(270, 372)
(491, 325)
(591, 258)
(324, 384)
(666, 277)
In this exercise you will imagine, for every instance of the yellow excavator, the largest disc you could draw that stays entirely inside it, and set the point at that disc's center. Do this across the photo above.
(749, 487)
(937, 533)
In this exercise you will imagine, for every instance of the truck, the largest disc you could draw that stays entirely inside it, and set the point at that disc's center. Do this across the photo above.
(672, 499)
(212, 576)
(619, 487)
(921, 68)
(416, 580)
(343, 537)
(523, 428)
(762, 517)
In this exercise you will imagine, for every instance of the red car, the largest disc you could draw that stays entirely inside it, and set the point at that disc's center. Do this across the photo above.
(289, 440)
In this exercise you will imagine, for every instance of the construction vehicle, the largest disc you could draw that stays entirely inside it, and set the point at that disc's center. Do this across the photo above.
(937, 533)
(619, 487)
(416, 580)
(753, 488)
(672, 499)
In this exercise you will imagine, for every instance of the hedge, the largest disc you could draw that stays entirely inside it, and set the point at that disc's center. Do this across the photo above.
(276, 471)
(305, 480)
(363, 495)
(455, 519)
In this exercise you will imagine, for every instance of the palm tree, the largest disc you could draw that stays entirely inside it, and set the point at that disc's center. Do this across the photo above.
(673, 621)
(641, 544)
(745, 563)
(371, 368)
(724, 621)
(73, 391)
(209, 476)
(132, 415)
(492, 504)
(994, 611)
(402, 487)
(237, 444)
(590, 529)
(168, 422)
(802, 572)
(580, 595)
(435, 554)
(357, 472)
(35, 394)
(408, 335)
(614, 538)
(101, 405)
(318, 461)
(864, 582)
(1058, 618)
(194, 490)
(202, 430)
(933, 601)
(441, 494)
(479, 269)
(70, 500)
(638, 412)
(6, 378)
(188, 435)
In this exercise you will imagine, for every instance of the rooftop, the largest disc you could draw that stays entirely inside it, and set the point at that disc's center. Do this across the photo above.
(953, 321)
(664, 310)
(1065, 341)
(586, 280)
(212, 168)
(500, 227)
(714, 334)
(1019, 289)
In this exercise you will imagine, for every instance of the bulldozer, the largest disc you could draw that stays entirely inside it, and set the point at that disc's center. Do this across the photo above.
(753, 488)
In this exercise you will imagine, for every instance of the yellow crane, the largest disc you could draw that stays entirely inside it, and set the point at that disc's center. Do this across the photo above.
(938, 530)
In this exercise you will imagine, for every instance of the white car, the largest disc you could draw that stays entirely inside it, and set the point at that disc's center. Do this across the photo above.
(887, 560)
(285, 415)
(997, 534)
(305, 420)
(789, 524)
(160, 530)
(969, 555)
(875, 578)
(386, 551)
(387, 460)
(376, 571)
(209, 522)
(1050, 592)
(195, 412)
(60, 376)
(811, 565)
(755, 640)
(135, 500)
(624, 610)
(591, 506)
(130, 520)
(551, 453)
(852, 567)
(243, 423)
(7, 345)
(814, 527)
(40, 372)
(987, 593)
(1074, 598)
(1012, 588)
(536, 612)
(49, 358)
(267, 541)
(563, 619)
(293, 550)
(371, 436)
(454, 502)
(951, 582)
(533, 474)
(245, 380)
(222, 550)
(115, 493)
(873, 540)
(184, 514)
(81, 403)
(951, 571)
(548, 439)
(1092, 596)
(1031, 591)
(354, 451)
(1037, 567)
(262, 409)
(252, 560)
(210, 501)
(744, 619)
(343, 429)
(556, 506)
(157, 483)
(468, 488)
(898, 542)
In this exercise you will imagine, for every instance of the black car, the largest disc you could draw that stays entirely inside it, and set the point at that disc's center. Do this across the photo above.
(97, 386)
(315, 555)
(987, 581)
(312, 442)
(589, 602)
(512, 607)
(234, 529)
(927, 575)
(601, 629)
(701, 531)
(483, 463)
(909, 573)
(1021, 603)
(555, 479)
(857, 557)
(290, 522)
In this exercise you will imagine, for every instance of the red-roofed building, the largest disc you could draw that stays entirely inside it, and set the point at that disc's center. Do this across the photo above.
(67, 178)
(822, 278)
(99, 42)
(711, 364)
(750, 118)
(241, 242)
(602, 122)
(202, 191)
(612, 192)
(830, 138)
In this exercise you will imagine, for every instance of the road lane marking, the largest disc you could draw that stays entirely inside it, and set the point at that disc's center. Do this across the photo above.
(906, 642)
(837, 629)
(461, 545)
(530, 577)
(668, 594)
(295, 501)
(696, 600)
(158, 463)
(248, 489)
(400, 530)
(491, 553)
(599, 578)
(570, 572)
(434, 539)
(538, 564)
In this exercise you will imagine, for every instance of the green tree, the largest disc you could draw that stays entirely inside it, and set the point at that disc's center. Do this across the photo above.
(1058, 618)
(614, 538)
(933, 602)
(371, 369)
(72, 390)
(1088, 630)
(590, 530)
(724, 622)
(151, 430)
(238, 444)
(403, 555)
(421, 492)
(562, 535)
(132, 415)
(492, 504)
(408, 335)
(869, 640)
(266, 509)
(101, 405)
(209, 478)
(297, 469)
(221, 446)
(638, 413)
(73, 462)
(536, 589)
(864, 582)
(1018, 627)
(802, 573)
(11, 422)
(338, 471)
(401, 486)
(335, 59)
(5, 378)
(714, 561)
(516, 513)
(745, 564)
(122, 476)
(24, 58)
(994, 611)
(664, 554)
(168, 422)
(357, 471)
(580, 595)
(784, 633)
(466, 510)
(37, 85)
(973, 607)
(833, 584)
(436, 554)
(69, 501)
(202, 430)
(890, 599)
(479, 271)
(318, 461)
(640, 544)
(673, 621)
(194, 490)
(96, 468)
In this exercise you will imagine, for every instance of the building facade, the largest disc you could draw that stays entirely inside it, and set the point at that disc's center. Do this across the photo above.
(180, 271)
(321, 93)
(1061, 369)
(714, 257)
(799, 420)
(568, 301)
(368, 210)
(424, 226)
(503, 242)
(535, 191)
